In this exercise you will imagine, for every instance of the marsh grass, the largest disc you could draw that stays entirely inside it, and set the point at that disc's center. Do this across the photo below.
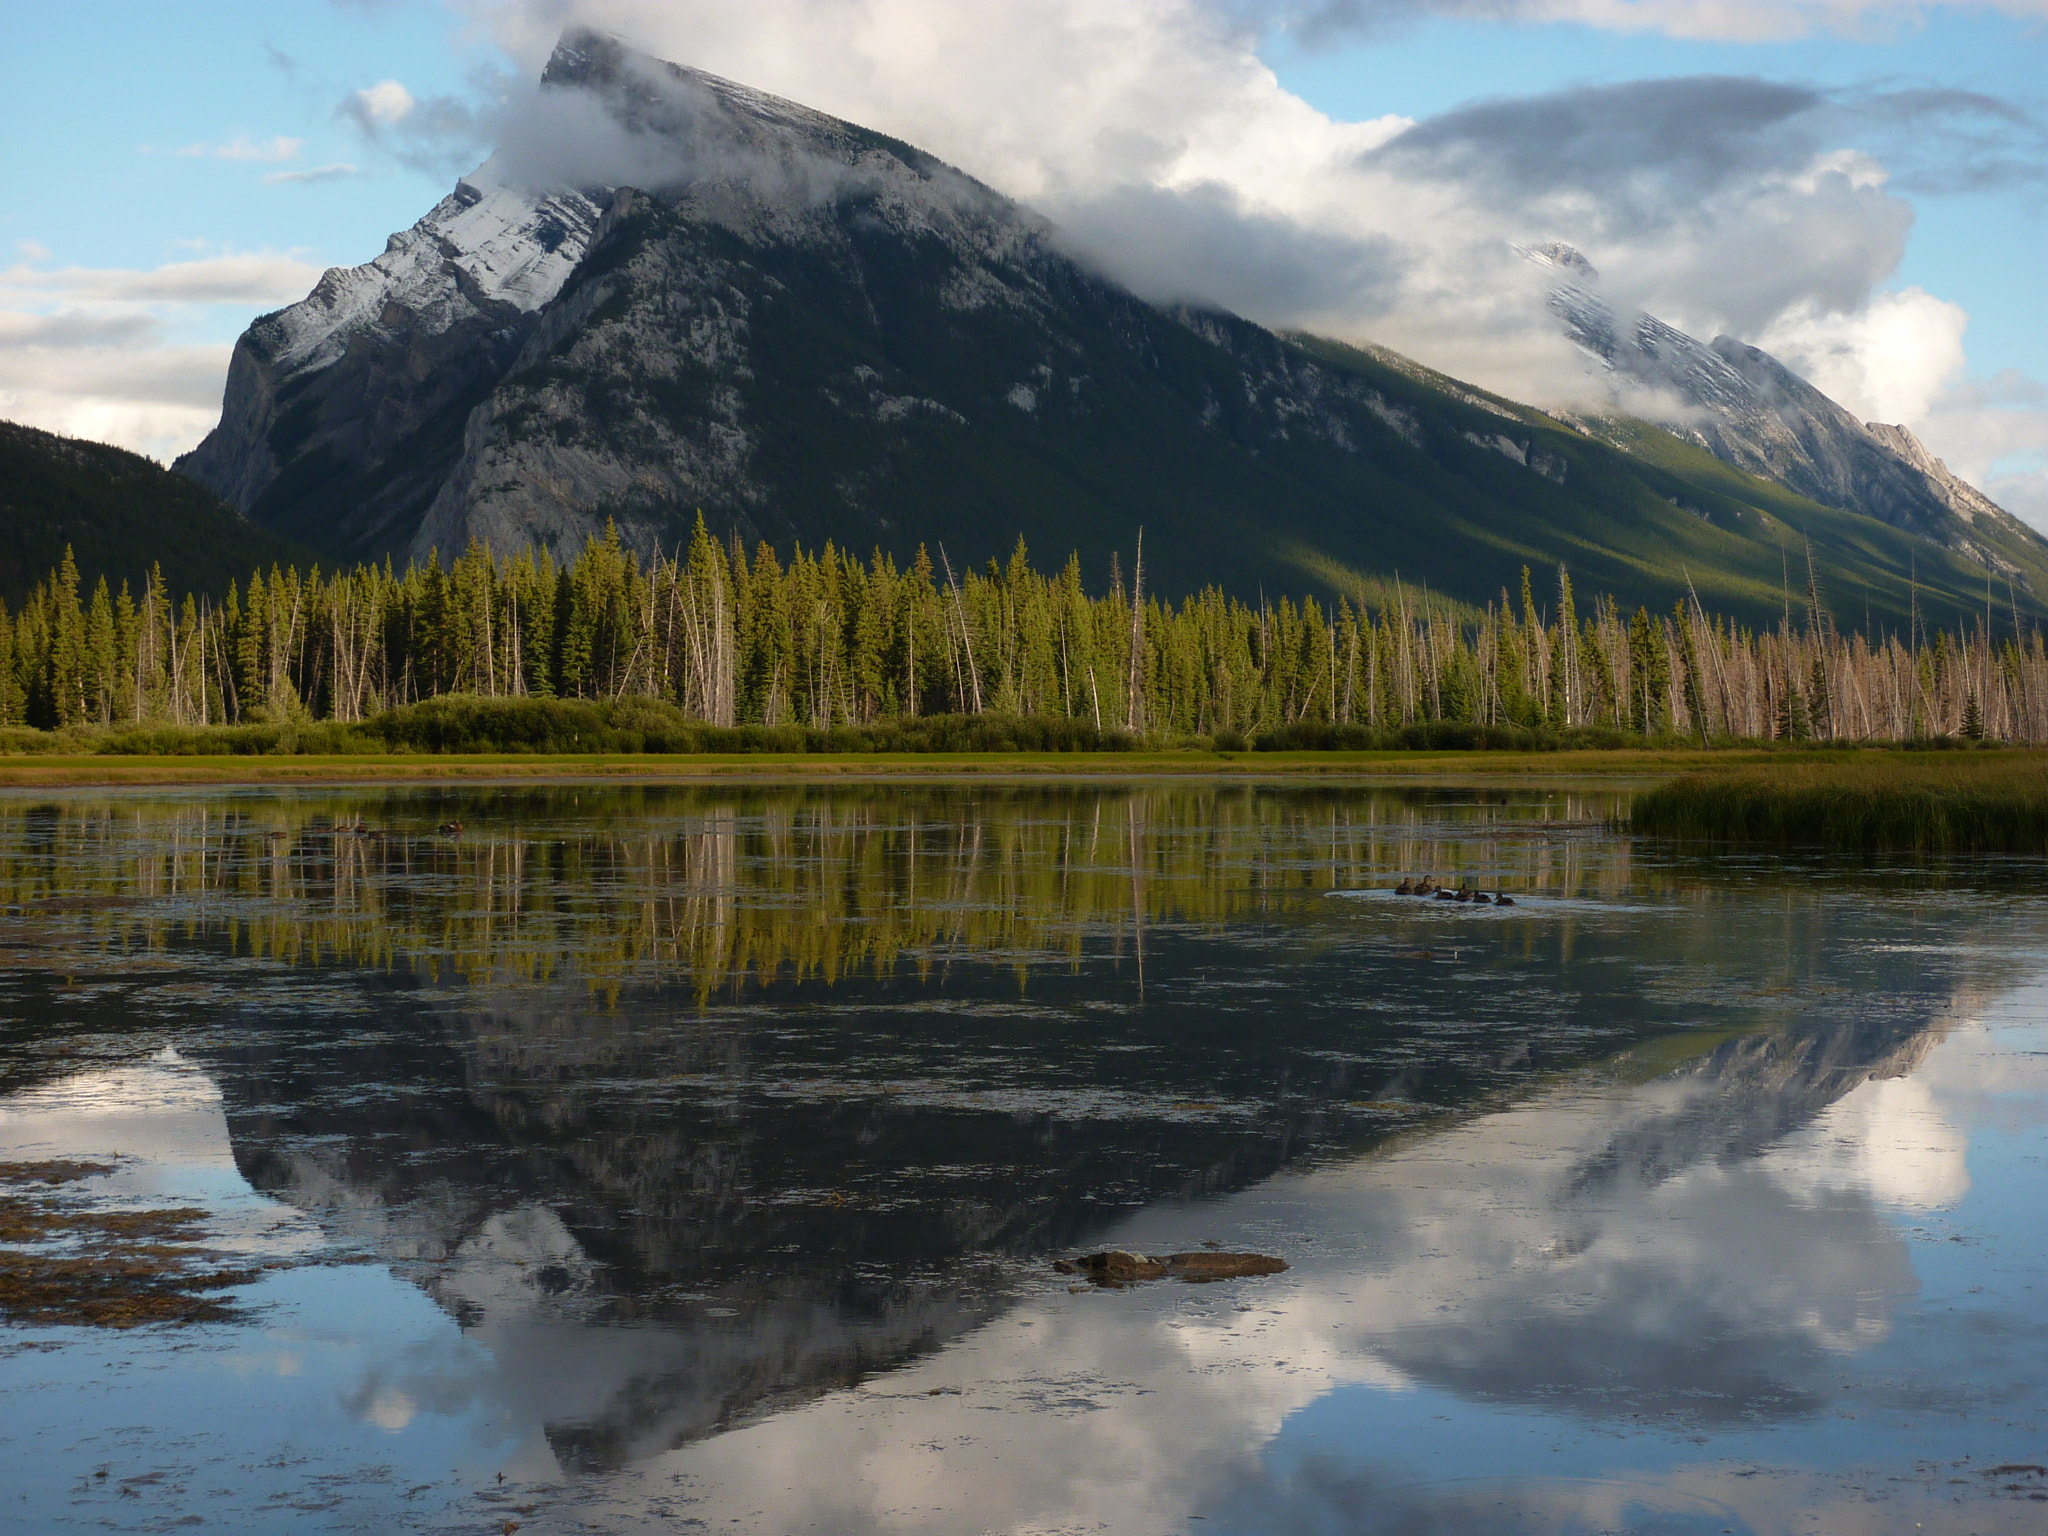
(1891, 802)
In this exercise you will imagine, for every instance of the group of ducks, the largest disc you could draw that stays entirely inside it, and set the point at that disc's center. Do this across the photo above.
(1427, 886)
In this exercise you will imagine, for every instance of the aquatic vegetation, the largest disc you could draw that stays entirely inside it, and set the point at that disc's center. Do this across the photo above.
(63, 1260)
(1892, 802)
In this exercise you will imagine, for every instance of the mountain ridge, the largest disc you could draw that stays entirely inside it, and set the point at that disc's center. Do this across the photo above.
(811, 332)
(1747, 408)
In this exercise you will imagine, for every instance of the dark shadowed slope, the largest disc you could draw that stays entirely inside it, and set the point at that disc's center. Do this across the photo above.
(119, 513)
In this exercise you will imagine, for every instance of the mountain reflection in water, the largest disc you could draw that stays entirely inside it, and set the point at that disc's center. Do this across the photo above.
(738, 1125)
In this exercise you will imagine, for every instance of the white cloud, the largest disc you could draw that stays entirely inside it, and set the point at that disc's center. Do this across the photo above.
(339, 171)
(260, 278)
(1170, 154)
(102, 352)
(1994, 433)
(279, 148)
(154, 400)
(2024, 494)
(1890, 360)
(241, 147)
(383, 105)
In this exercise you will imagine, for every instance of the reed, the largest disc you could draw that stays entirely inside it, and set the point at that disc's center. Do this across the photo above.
(1888, 802)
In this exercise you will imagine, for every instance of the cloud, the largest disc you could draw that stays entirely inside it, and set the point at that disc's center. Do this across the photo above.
(1167, 152)
(2024, 494)
(339, 171)
(380, 106)
(158, 401)
(436, 135)
(1202, 244)
(241, 147)
(1318, 23)
(1887, 361)
(264, 278)
(279, 148)
(1940, 142)
(74, 328)
(1994, 433)
(106, 353)
(1642, 146)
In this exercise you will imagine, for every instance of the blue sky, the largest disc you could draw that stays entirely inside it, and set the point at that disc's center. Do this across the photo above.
(175, 169)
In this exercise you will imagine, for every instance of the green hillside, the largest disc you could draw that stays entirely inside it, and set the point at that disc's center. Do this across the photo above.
(119, 513)
(1644, 519)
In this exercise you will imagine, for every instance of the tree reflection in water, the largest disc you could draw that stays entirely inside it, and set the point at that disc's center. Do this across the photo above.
(697, 1104)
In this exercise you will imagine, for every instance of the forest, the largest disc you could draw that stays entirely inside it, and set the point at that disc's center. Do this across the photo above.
(827, 640)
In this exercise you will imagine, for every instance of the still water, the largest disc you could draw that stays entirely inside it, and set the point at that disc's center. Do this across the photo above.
(644, 1158)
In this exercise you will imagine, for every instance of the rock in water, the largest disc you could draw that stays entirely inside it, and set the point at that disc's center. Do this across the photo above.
(1118, 1267)
(1199, 1267)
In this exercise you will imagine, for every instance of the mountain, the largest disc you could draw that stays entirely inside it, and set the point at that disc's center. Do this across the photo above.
(119, 513)
(1750, 410)
(810, 331)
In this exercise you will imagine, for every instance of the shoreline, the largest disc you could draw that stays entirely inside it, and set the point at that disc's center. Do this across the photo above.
(1393, 767)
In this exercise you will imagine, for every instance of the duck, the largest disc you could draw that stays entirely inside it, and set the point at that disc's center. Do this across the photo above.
(1424, 886)
(451, 828)
(1480, 898)
(1443, 893)
(1503, 901)
(1406, 887)
(1464, 894)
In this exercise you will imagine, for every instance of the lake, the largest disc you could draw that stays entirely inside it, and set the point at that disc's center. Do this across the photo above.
(644, 1157)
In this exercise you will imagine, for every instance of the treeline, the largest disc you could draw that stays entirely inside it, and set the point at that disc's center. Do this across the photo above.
(830, 641)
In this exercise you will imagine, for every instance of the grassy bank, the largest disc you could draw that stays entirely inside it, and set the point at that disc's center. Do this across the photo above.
(57, 770)
(467, 725)
(1890, 802)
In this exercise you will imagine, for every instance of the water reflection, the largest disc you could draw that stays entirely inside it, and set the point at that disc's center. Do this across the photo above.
(729, 1132)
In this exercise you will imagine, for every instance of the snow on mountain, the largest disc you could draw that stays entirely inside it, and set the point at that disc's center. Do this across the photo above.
(484, 244)
(1749, 409)
(320, 389)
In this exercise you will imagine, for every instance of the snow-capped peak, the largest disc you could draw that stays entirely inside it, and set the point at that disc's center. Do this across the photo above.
(1568, 259)
(483, 245)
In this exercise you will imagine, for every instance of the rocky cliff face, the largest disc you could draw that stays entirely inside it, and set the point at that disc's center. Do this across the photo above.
(323, 396)
(1750, 410)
